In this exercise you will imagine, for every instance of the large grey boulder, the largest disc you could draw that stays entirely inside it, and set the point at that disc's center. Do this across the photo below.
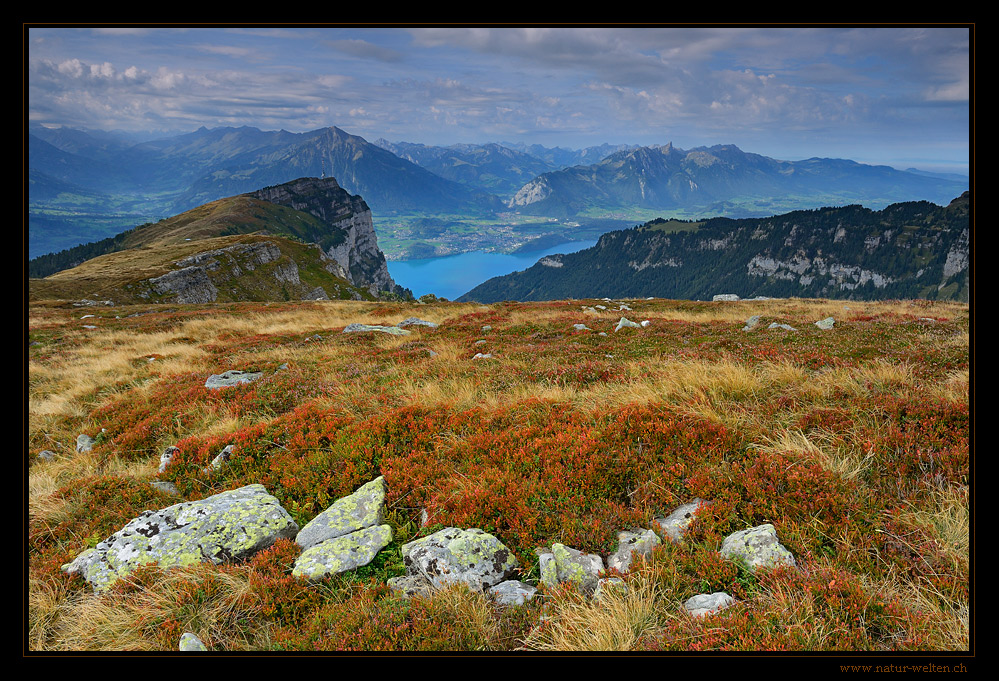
(455, 555)
(632, 543)
(341, 554)
(232, 378)
(826, 324)
(676, 523)
(757, 547)
(565, 564)
(626, 323)
(362, 509)
(225, 527)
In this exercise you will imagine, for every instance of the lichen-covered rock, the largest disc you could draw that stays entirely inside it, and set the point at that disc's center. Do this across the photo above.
(702, 605)
(191, 643)
(631, 543)
(225, 527)
(472, 556)
(347, 552)
(757, 547)
(232, 378)
(610, 586)
(752, 323)
(826, 324)
(410, 586)
(364, 508)
(677, 522)
(566, 564)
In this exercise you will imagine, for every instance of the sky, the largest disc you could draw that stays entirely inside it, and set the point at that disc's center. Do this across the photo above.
(896, 96)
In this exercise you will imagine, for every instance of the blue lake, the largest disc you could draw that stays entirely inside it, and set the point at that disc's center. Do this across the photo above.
(454, 275)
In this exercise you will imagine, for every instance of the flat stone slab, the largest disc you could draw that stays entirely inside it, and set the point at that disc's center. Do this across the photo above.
(232, 378)
(225, 527)
(702, 605)
(364, 508)
(415, 321)
(512, 592)
(362, 328)
(342, 554)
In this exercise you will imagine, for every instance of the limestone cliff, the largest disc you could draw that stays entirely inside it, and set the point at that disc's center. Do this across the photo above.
(351, 241)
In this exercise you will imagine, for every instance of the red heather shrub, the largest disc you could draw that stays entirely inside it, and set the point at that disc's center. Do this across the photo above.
(920, 445)
(98, 507)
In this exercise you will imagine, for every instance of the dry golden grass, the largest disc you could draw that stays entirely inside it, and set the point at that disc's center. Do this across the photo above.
(128, 622)
(614, 622)
(820, 447)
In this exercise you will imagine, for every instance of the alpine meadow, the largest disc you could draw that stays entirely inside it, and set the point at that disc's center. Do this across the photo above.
(731, 421)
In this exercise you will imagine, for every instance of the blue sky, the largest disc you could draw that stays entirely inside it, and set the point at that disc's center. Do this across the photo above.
(895, 96)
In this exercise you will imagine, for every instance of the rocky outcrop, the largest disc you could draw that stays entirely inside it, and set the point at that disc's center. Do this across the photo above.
(351, 242)
(453, 555)
(225, 527)
(757, 547)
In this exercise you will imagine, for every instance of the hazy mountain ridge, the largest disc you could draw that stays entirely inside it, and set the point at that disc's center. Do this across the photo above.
(665, 177)
(907, 250)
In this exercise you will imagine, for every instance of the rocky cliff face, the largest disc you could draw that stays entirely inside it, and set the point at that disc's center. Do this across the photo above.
(352, 243)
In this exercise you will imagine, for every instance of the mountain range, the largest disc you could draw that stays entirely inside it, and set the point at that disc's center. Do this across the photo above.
(906, 250)
(85, 186)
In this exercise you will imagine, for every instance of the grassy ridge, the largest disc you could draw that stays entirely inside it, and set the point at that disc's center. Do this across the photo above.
(854, 442)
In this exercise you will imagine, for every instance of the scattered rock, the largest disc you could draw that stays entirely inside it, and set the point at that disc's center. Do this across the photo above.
(220, 460)
(676, 523)
(46, 455)
(625, 322)
(360, 328)
(630, 543)
(702, 605)
(166, 487)
(752, 323)
(609, 585)
(786, 327)
(479, 355)
(84, 443)
(646, 323)
(487, 328)
(191, 643)
(231, 378)
(725, 298)
(225, 527)
(757, 547)
(825, 324)
(512, 592)
(166, 457)
(581, 327)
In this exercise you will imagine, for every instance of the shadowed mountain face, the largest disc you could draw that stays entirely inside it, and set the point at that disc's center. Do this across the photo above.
(908, 250)
(307, 239)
